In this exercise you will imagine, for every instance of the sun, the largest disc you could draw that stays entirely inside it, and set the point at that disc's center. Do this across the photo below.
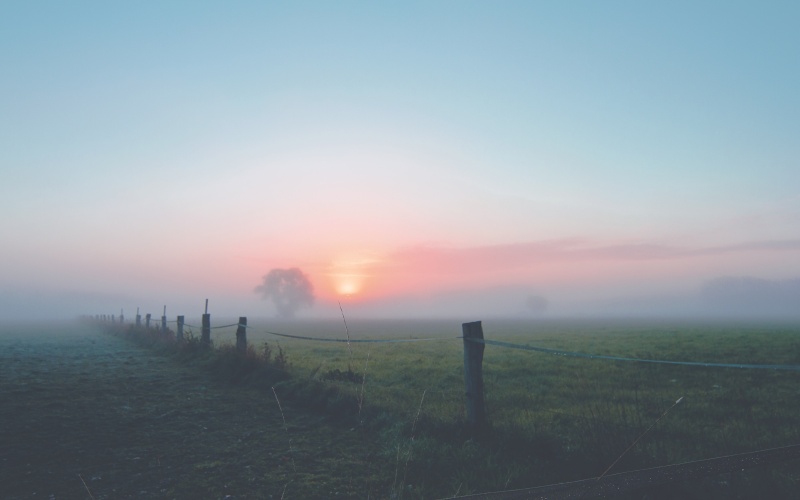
(347, 285)
(348, 276)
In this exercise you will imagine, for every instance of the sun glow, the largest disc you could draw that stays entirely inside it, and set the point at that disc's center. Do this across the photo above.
(347, 284)
(348, 276)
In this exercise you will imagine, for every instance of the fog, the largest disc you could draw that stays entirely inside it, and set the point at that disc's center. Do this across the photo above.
(732, 297)
(748, 296)
(723, 297)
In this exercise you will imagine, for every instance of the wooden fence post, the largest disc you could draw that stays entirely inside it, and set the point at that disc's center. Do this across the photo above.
(179, 334)
(241, 335)
(147, 320)
(164, 321)
(206, 327)
(473, 375)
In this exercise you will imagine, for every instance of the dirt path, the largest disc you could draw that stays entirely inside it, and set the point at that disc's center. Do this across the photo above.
(78, 406)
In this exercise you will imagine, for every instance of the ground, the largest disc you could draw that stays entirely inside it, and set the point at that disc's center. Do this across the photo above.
(89, 415)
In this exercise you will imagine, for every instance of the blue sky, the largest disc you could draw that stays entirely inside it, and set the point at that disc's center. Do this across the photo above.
(144, 141)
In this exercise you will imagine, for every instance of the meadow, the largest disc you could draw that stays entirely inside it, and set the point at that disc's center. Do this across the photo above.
(386, 420)
(557, 418)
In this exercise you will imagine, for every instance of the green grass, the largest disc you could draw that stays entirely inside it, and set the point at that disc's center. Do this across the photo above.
(560, 419)
(553, 418)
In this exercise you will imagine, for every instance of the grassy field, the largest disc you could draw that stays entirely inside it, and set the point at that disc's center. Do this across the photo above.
(559, 419)
(374, 420)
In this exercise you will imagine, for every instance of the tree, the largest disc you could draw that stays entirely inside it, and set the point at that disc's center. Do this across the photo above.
(537, 304)
(289, 289)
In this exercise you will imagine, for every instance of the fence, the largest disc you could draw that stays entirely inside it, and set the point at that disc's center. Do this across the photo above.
(474, 345)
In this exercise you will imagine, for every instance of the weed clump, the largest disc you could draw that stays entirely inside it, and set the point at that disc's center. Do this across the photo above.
(249, 367)
(225, 362)
(278, 360)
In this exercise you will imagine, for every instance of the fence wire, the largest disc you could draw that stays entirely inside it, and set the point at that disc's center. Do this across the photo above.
(573, 354)
(322, 339)
(353, 341)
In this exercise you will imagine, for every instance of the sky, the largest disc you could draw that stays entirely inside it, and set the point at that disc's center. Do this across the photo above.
(410, 158)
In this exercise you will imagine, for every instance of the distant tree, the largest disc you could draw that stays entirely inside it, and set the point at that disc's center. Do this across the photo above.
(289, 289)
(536, 304)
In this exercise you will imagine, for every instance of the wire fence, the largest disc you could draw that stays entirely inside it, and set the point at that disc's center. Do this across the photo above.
(348, 341)
(324, 339)
(522, 347)
(500, 343)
